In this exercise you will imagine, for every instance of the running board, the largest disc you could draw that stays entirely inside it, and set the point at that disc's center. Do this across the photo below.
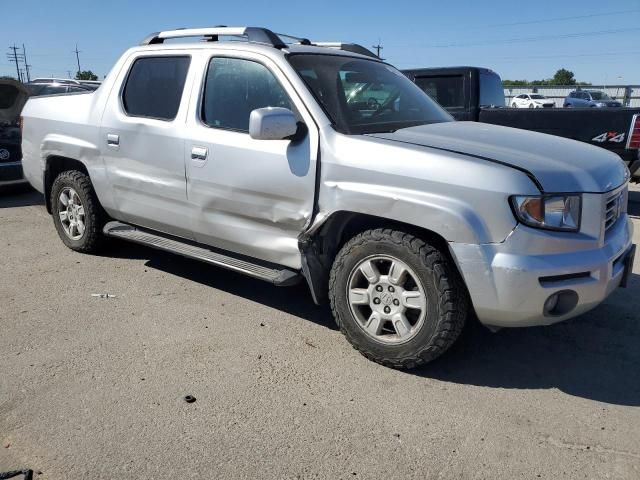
(277, 276)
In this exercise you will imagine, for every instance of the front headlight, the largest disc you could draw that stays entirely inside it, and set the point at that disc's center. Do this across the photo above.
(601, 104)
(551, 212)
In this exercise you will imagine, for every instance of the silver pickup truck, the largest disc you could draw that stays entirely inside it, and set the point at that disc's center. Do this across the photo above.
(260, 156)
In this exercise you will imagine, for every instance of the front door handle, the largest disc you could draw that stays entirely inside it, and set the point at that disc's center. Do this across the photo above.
(199, 153)
(113, 140)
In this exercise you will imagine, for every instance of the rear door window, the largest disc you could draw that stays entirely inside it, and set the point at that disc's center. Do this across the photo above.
(154, 87)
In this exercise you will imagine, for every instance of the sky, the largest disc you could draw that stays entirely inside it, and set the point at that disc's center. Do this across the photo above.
(597, 40)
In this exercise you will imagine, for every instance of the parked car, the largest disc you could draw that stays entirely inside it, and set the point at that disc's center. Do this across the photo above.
(477, 94)
(589, 98)
(37, 89)
(13, 96)
(67, 81)
(404, 220)
(90, 84)
(532, 100)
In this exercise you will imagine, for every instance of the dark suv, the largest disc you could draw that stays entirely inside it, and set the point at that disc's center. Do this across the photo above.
(590, 98)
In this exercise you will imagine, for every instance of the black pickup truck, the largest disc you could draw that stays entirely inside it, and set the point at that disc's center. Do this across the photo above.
(476, 94)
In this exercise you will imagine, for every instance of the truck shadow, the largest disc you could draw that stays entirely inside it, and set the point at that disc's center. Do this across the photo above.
(634, 203)
(295, 300)
(19, 196)
(595, 356)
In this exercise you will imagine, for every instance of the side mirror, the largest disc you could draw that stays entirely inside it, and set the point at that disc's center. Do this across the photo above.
(272, 123)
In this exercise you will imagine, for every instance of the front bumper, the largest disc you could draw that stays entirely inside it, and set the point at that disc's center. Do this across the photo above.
(11, 174)
(509, 289)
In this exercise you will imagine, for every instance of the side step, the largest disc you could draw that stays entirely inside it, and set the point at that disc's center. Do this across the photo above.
(276, 275)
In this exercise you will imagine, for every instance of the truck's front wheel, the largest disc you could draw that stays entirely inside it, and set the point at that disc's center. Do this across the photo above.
(397, 299)
(77, 213)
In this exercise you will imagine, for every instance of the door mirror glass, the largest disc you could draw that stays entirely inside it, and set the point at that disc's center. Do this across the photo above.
(272, 123)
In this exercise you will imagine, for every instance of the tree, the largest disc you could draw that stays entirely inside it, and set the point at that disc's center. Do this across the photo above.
(563, 77)
(86, 75)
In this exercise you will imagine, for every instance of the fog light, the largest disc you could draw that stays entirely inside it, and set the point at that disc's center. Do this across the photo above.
(551, 304)
(560, 303)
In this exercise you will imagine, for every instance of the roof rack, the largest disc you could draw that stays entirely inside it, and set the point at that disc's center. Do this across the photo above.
(347, 47)
(252, 34)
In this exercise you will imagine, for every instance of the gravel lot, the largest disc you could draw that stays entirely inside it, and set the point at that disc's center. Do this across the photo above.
(93, 387)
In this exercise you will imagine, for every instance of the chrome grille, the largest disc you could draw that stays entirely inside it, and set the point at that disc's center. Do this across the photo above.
(613, 209)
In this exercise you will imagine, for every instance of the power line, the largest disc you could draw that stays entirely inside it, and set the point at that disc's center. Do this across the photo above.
(378, 47)
(533, 39)
(572, 55)
(26, 63)
(78, 59)
(561, 19)
(15, 59)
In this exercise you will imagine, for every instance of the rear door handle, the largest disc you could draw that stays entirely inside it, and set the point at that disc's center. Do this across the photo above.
(113, 140)
(199, 153)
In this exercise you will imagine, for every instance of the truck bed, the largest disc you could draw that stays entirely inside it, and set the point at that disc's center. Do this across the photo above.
(608, 128)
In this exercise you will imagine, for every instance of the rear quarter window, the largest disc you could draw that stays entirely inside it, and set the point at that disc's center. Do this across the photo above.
(448, 91)
(491, 90)
(154, 87)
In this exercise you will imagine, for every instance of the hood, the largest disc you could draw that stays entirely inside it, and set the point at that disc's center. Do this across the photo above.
(557, 164)
(13, 96)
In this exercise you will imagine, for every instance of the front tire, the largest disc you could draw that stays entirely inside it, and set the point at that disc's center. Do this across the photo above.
(77, 213)
(398, 300)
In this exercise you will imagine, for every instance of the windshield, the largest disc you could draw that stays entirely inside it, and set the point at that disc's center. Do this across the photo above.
(491, 91)
(365, 96)
(599, 96)
(537, 97)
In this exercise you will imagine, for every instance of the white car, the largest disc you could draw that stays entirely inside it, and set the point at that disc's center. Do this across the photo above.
(532, 100)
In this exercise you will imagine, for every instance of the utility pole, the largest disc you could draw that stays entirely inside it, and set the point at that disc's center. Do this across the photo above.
(78, 59)
(378, 47)
(26, 63)
(14, 57)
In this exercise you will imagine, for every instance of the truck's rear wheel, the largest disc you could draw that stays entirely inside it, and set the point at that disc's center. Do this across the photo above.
(77, 214)
(397, 299)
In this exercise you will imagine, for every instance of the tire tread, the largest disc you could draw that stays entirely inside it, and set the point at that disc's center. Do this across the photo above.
(453, 299)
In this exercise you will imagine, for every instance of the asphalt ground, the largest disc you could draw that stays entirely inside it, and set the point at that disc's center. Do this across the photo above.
(94, 387)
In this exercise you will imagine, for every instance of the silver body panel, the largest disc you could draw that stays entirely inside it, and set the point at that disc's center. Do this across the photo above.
(256, 197)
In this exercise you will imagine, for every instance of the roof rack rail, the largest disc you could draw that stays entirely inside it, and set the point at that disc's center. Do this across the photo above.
(347, 47)
(211, 34)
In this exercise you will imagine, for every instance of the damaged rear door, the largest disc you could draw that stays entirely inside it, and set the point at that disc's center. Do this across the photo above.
(253, 197)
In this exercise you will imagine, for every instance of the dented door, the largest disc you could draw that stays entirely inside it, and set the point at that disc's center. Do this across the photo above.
(248, 196)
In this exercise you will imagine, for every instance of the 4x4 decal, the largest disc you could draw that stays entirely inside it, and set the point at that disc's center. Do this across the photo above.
(614, 137)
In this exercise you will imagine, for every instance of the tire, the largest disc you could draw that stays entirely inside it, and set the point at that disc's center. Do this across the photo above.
(513, 105)
(531, 105)
(93, 218)
(436, 281)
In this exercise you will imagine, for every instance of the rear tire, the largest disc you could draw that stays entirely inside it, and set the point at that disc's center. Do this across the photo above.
(77, 213)
(415, 316)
